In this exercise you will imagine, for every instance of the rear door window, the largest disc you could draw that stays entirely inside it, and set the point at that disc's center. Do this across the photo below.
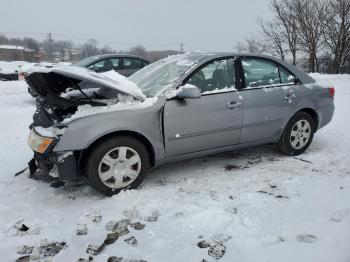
(260, 72)
(286, 76)
(133, 63)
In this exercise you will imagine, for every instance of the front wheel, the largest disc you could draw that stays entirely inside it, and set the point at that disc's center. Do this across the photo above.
(117, 163)
(297, 135)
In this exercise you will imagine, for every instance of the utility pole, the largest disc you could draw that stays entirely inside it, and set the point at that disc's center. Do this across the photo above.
(181, 48)
(49, 39)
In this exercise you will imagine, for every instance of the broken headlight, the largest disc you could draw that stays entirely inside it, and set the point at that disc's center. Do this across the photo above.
(39, 143)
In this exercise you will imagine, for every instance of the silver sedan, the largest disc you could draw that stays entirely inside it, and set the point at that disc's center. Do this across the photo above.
(186, 106)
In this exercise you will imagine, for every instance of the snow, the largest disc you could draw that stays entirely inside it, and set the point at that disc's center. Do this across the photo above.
(50, 131)
(255, 204)
(8, 68)
(28, 67)
(124, 103)
(124, 85)
(19, 63)
(174, 92)
(12, 47)
(221, 90)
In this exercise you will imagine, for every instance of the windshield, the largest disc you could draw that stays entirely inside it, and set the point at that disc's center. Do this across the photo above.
(156, 77)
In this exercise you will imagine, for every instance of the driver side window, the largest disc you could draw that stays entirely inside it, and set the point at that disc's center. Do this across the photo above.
(217, 76)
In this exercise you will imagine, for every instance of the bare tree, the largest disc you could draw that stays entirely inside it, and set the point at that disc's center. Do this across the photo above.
(337, 34)
(31, 43)
(311, 17)
(287, 21)
(107, 50)
(64, 48)
(274, 42)
(250, 45)
(89, 48)
(139, 51)
(3, 40)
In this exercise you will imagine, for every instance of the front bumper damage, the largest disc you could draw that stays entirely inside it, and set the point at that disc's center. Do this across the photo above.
(47, 163)
(64, 165)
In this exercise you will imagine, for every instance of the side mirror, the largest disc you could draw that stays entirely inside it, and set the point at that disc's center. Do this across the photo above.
(189, 91)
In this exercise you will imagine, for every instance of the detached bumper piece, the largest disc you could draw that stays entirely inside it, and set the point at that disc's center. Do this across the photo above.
(41, 166)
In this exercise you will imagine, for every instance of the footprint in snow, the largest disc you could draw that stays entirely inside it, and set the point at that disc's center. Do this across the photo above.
(339, 215)
(306, 238)
(216, 247)
(131, 241)
(46, 249)
(82, 230)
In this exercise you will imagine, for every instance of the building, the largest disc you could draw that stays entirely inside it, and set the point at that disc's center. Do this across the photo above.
(18, 53)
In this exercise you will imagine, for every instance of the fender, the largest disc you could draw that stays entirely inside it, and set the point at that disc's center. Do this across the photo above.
(83, 132)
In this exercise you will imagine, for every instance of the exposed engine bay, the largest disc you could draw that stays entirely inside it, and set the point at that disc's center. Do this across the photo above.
(58, 95)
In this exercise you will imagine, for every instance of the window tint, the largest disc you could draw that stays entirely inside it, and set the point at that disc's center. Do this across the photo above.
(218, 76)
(259, 72)
(106, 65)
(132, 63)
(115, 63)
(286, 76)
(98, 67)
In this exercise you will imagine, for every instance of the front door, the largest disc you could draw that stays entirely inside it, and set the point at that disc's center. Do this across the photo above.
(212, 121)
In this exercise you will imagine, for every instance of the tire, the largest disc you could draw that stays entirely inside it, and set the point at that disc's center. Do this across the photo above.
(109, 172)
(297, 135)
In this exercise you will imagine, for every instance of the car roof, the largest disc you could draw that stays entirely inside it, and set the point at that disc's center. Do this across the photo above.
(96, 57)
(204, 57)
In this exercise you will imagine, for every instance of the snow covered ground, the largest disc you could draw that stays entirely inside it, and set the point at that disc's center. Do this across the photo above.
(250, 205)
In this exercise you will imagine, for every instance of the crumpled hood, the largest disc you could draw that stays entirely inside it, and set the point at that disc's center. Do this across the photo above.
(57, 79)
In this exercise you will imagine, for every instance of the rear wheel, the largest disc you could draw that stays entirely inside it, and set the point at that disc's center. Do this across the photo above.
(117, 163)
(298, 134)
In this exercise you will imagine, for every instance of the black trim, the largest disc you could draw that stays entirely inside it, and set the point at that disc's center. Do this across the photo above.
(224, 129)
(265, 87)
(264, 123)
(204, 133)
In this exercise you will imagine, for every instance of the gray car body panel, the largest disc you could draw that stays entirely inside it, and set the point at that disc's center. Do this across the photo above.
(179, 129)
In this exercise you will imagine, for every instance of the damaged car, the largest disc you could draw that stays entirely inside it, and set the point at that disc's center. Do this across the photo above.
(113, 130)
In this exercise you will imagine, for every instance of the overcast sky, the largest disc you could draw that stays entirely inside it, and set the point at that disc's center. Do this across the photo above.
(207, 25)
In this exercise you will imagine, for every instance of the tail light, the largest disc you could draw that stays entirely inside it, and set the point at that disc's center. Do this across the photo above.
(331, 91)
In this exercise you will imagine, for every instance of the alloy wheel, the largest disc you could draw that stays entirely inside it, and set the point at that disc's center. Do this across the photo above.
(300, 135)
(119, 167)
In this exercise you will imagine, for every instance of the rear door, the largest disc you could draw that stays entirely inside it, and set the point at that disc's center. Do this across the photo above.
(268, 96)
(212, 121)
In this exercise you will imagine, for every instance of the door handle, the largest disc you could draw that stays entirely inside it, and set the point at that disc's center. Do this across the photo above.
(233, 104)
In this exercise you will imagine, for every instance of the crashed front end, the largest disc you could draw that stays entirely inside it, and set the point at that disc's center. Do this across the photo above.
(59, 93)
(47, 162)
